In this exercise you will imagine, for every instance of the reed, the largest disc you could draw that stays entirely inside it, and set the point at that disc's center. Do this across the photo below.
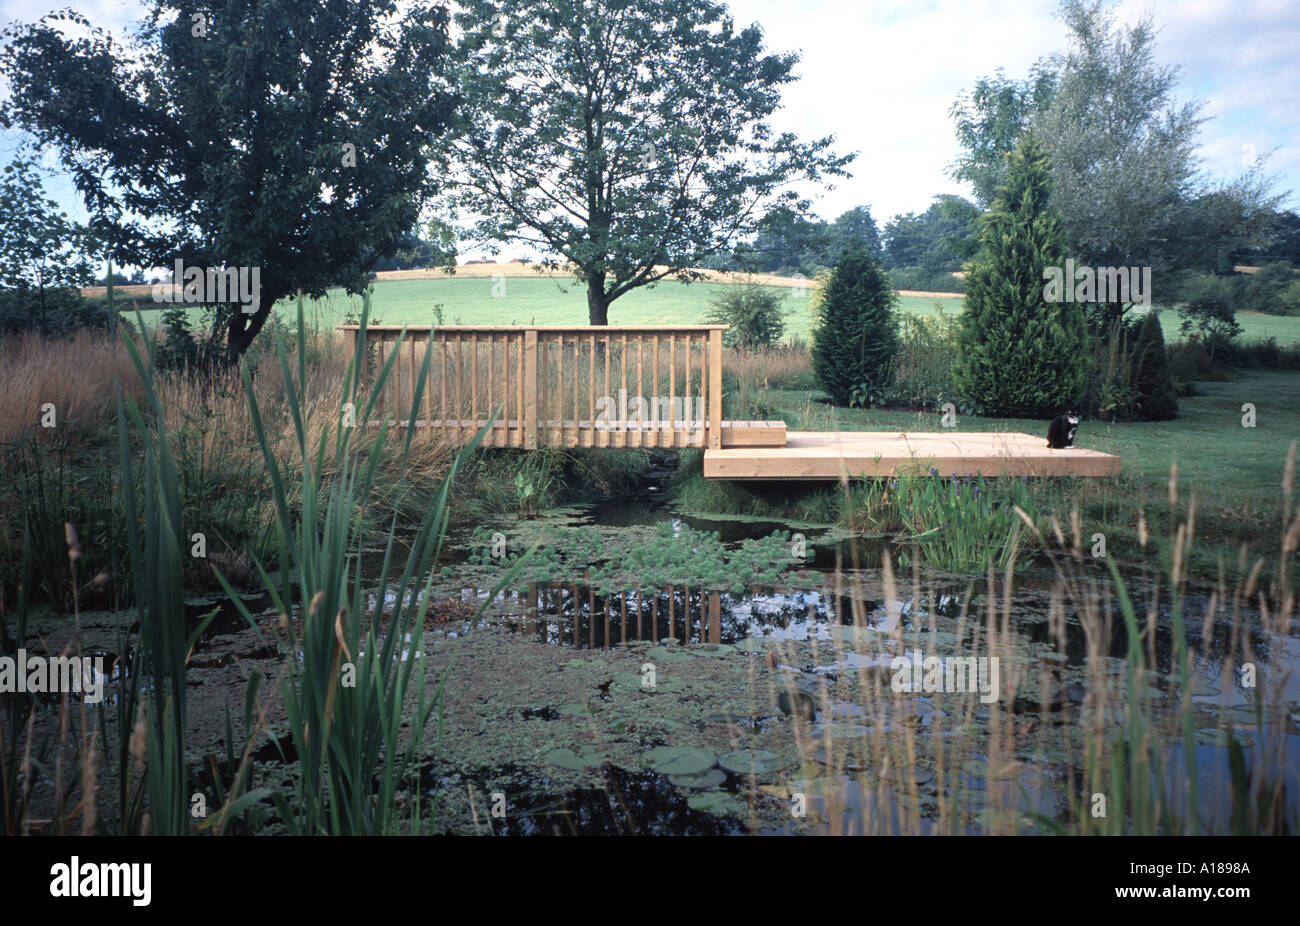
(361, 678)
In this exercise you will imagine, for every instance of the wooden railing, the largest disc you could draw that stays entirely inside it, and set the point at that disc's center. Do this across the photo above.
(553, 386)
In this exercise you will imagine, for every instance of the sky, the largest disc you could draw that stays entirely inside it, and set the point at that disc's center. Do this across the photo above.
(881, 76)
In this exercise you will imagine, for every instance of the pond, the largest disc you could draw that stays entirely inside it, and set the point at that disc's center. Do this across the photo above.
(783, 707)
(648, 672)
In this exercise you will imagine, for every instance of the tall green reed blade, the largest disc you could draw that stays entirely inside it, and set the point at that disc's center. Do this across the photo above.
(156, 540)
(1138, 743)
(344, 699)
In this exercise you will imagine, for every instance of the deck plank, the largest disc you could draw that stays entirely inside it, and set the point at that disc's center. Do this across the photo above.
(815, 455)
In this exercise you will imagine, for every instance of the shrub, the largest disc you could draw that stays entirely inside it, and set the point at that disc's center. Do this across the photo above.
(924, 280)
(755, 313)
(63, 312)
(1209, 311)
(1262, 290)
(855, 334)
(1152, 382)
(1288, 301)
(1020, 354)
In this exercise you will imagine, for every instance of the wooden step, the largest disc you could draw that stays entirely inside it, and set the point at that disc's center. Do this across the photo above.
(753, 434)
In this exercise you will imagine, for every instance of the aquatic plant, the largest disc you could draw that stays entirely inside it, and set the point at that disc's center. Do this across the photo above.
(961, 522)
(347, 700)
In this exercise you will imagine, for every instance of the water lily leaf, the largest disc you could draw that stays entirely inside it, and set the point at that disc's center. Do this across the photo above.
(1214, 736)
(633, 680)
(700, 781)
(754, 762)
(585, 757)
(664, 654)
(841, 760)
(716, 802)
(712, 649)
(842, 729)
(920, 774)
(679, 760)
(575, 709)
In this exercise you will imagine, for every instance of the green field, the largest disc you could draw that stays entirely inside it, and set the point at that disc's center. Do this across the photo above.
(524, 301)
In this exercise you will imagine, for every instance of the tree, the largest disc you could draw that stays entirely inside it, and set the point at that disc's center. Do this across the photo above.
(627, 137)
(853, 230)
(1020, 354)
(1209, 311)
(1153, 384)
(788, 242)
(855, 333)
(938, 240)
(43, 254)
(755, 313)
(293, 138)
(989, 120)
(1125, 174)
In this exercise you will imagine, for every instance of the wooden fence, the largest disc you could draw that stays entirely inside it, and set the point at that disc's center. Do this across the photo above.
(553, 386)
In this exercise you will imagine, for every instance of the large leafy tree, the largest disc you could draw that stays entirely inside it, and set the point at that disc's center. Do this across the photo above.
(1126, 176)
(288, 136)
(629, 138)
(939, 239)
(43, 253)
(1019, 353)
(989, 119)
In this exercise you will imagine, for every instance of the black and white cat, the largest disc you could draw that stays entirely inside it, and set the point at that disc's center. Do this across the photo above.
(1060, 433)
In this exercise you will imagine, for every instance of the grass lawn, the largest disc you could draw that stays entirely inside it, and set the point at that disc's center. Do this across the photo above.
(543, 301)
(1234, 472)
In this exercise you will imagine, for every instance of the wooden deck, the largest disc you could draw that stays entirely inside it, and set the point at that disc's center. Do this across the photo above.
(818, 455)
(647, 386)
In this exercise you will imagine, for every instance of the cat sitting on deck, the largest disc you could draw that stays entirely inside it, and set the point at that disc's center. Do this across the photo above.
(1060, 433)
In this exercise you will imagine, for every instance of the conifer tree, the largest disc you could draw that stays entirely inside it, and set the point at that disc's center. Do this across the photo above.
(1020, 354)
(856, 332)
(1156, 399)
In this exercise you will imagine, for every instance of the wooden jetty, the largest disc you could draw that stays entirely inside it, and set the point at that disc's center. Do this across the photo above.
(657, 386)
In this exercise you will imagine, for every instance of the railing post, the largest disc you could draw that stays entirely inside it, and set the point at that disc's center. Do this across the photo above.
(530, 388)
(715, 389)
(350, 353)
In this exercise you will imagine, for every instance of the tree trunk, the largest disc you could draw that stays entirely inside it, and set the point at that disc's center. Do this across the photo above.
(245, 326)
(597, 304)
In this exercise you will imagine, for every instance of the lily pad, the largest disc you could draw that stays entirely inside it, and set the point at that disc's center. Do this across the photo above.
(838, 759)
(754, 762)
(585, 757)
(712, 649)
(842, 729)
(918, 773)
(575, 709)
(633, 680)
(1239, 715)
(700, 781)
(716, 802)
(663, 654)
(679, 760)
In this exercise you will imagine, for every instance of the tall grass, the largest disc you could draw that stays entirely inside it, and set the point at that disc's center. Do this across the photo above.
(1136, 764)
(157, 542)
(361, 667)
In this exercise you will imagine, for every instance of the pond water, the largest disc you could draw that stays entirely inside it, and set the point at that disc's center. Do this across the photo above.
(837, 743)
